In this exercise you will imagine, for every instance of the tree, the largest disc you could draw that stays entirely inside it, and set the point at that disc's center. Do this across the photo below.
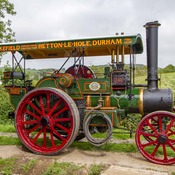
(6, 33)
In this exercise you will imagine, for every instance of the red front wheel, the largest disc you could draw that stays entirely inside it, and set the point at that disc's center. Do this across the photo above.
(47, 121)
(156, 140)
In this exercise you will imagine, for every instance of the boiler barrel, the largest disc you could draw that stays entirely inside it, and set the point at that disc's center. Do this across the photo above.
(162, 99)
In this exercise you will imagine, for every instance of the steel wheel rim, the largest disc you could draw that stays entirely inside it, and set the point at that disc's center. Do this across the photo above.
(46, 121)
(157, 144)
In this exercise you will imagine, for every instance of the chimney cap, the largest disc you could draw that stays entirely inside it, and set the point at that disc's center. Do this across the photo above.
(152, 24)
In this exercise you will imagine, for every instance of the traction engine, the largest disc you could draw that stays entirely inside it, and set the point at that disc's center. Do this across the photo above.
(69, 106)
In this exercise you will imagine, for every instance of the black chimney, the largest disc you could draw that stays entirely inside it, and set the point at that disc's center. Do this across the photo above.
(152, 54)
(154, 99)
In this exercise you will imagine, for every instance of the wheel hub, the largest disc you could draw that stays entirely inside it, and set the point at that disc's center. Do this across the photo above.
(162, 139)
(44, 121)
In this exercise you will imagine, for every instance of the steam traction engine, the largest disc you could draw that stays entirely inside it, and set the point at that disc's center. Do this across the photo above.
(68, 106)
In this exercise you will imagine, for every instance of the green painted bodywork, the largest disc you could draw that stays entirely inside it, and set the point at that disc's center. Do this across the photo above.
(15, 98)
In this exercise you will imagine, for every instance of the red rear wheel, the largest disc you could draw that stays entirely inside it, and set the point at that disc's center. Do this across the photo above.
(47, 121)
(155, 137)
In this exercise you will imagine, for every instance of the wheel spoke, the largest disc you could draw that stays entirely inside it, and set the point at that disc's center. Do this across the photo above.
(155, 120)
(44, 137)
(54, 107)
(147, 134)
(58, 135)
(171, 133)
(149, 143)
(34, 107)
(30, 122)
(34, 128)
(172, 147)
(164, 152)
(155, 150)
(62, 120)
(60, 112)
(42, 105)
(153, 129)
(171, 141)
(160, 124)
(169, 126)
(52, 139)
(37, 135)
(62, 127)
(32, 114)
(48, 101)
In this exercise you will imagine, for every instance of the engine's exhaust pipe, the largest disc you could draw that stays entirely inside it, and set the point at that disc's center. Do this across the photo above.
(152, 54)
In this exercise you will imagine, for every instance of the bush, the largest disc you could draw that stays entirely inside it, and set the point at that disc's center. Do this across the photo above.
(5, 106)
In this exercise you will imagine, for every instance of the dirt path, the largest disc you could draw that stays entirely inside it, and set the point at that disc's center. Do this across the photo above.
(119, 163)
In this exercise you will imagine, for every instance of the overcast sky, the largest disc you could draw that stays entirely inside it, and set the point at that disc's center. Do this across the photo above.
(71, 19)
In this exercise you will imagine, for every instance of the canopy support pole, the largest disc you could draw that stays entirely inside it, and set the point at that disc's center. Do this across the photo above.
(18, 66)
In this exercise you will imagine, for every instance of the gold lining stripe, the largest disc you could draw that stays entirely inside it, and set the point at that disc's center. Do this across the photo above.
(47, 78)
(140, 103)
(102, 108)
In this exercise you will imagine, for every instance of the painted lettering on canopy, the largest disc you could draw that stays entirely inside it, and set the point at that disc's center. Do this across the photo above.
(87, 43)
(61, 44)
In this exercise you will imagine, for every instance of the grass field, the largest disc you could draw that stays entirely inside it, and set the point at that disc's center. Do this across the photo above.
(167, 80)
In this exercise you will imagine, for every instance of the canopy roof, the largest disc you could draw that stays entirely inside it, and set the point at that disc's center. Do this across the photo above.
(61, 48)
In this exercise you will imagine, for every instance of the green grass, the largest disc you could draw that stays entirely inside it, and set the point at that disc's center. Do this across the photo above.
(167, 80)
(6, 166)
(13, 166)
(63, 168)
(122, 147)
(95, 169)
(173, 173)
(7, 128)
(66, 168)
(26, 167)
(118, 134)
(9, 141)
(121, 134)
